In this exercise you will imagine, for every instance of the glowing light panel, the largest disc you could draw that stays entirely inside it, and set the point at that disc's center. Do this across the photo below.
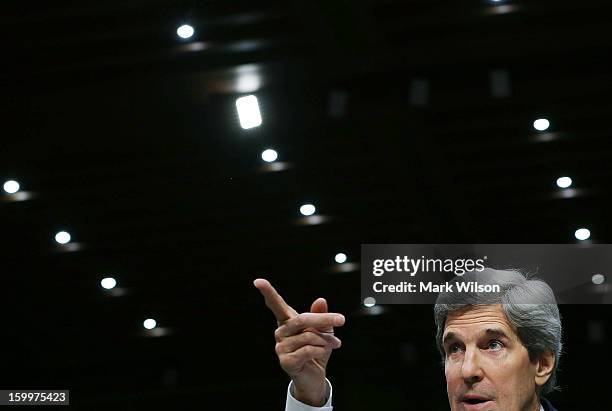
(248, 112)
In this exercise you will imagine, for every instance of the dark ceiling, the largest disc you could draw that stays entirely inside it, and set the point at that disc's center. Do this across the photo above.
(402, 121)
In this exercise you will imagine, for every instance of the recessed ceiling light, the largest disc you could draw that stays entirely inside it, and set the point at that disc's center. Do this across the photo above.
(269, 155)
(108, 283)
(582, 234)
(541, 124)
(340, 258)
(564, 182)
(248, 112)
(185, 31)
(149, 323)
(11, 186)
(62, 237)
(307, 209)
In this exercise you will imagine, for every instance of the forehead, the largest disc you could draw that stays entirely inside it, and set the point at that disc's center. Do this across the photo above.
(476, 319)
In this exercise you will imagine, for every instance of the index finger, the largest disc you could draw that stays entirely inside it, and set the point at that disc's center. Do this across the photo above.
(281, 310)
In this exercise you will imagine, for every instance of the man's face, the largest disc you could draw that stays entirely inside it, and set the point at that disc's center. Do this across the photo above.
(487, 367)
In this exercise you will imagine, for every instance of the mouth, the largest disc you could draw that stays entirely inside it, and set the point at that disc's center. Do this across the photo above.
(476, 402)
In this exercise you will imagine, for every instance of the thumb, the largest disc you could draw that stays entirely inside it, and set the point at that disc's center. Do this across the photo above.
(319, 306)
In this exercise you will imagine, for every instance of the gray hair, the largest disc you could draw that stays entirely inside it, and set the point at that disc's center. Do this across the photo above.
(529, 305)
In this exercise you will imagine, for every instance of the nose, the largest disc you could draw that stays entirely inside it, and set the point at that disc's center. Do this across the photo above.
(471, 370)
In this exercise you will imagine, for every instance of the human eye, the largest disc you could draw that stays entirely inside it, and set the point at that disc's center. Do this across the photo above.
(454, 348)
(495, 345)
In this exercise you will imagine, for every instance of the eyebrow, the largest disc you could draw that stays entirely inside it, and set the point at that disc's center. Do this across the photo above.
(448, 337)
(489, 332)
(495, 332)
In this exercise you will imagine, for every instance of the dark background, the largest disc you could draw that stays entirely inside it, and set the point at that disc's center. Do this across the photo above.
(384, 117)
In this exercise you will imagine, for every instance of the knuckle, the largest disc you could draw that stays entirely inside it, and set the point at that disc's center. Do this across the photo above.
(307, 336)
(311, 339)
(278, 335)
(299, 321)
(288, 362)
(278, 348)
(319, 340)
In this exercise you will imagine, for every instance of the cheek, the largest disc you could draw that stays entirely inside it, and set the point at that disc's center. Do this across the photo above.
(527, 381)
(452, 376)
(451, 387)
(512, 378)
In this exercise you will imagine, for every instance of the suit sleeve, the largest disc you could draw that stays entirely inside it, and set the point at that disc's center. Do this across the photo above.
(295, 405)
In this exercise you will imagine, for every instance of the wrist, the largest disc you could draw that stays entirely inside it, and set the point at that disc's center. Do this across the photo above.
(314, 396)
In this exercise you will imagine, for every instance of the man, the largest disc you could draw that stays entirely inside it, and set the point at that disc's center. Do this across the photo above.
(500, 351)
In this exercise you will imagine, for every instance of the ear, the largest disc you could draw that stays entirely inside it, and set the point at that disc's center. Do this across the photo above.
(545, 367)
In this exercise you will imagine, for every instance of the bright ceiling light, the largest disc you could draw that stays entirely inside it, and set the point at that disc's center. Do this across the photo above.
(248, 112)
(582, 234)
(307, 209)
(185, 31)
(11, 186)
(369, 302)
(564, 182)
(62, 237)
(340, 258)
(108, 283)
(269, 155)
(541, 124)
(149, 323)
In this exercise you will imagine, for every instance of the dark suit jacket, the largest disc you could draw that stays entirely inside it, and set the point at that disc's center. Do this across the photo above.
(547, 405)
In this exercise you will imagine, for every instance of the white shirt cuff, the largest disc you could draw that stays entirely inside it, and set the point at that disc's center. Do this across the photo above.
(295, 405)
